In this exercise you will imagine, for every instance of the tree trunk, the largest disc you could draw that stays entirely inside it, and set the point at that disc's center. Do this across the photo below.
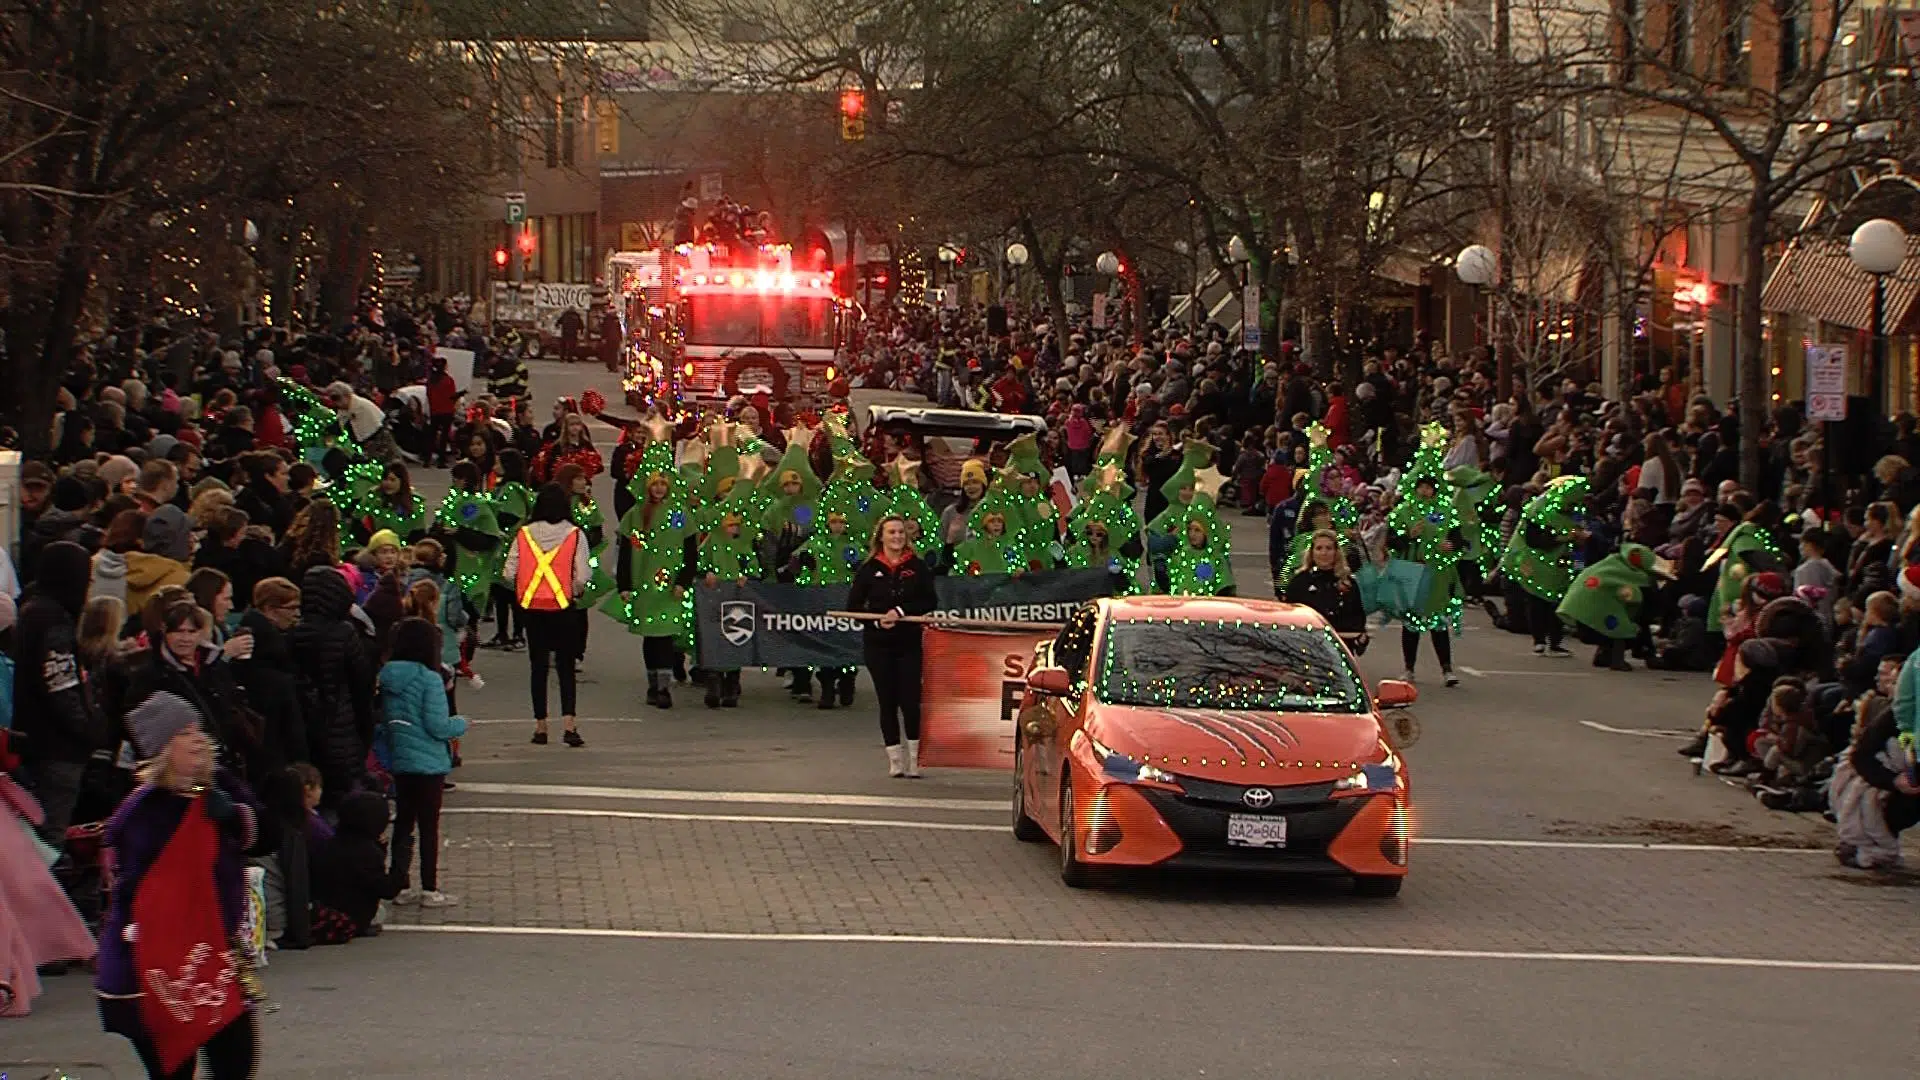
(1751, 390)
(1049, 271)
(41, 330)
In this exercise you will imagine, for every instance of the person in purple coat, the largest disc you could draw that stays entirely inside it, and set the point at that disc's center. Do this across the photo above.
(168, 977)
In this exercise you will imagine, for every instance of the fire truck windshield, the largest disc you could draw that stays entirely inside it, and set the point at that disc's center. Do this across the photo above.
(765, 320)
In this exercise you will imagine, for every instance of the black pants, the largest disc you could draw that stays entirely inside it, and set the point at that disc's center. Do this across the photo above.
(57, 785)
(232, 1054)
(658, 652)
(556, 636)
(417, 802)
(896, 684)
(1543, 618)
(1410, 647)
(442, 427)
(505, 611)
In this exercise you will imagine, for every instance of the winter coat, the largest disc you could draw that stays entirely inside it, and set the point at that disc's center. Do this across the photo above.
(880, 586)
(332, 670)
(1321, 590)
(148, 574)
(109, 576)
(413, 705)
(51, 528)
(265, 505)
(51, 704)
(246, 565)
(273, 689)
(350, 873)
(210, 688)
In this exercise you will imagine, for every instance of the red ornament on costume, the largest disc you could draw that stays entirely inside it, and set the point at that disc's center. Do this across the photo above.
(1592, 583)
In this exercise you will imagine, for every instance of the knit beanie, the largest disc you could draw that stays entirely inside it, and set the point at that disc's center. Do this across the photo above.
(973, 469)
(70, 494)
(157, 720)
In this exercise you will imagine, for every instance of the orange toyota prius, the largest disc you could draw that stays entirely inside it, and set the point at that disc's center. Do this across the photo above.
(1209, 732)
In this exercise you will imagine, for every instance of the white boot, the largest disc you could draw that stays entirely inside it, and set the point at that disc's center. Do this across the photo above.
(913, 759)
(896, 760)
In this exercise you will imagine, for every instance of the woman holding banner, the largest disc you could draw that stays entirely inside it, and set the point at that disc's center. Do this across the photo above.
(893, 583)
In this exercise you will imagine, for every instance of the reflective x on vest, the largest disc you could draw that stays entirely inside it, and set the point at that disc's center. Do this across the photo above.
(540, 586)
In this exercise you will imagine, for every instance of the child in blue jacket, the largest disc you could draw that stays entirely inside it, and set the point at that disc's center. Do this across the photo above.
(413, 703)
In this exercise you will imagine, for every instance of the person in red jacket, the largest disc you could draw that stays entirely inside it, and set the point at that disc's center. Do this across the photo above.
(443, 402)
(1339, 429)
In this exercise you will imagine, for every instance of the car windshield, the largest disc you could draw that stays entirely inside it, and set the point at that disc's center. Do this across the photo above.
(1232, 665)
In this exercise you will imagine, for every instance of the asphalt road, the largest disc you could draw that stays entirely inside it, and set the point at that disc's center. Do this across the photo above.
(745, 893)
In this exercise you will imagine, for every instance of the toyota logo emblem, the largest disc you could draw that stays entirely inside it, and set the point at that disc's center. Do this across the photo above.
(1258, 798)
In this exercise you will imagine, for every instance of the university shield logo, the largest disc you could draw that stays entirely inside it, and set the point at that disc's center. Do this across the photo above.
(736, 622)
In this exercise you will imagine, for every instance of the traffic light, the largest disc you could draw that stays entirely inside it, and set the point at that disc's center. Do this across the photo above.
(527, 243)
(853, 115)
(499, 258)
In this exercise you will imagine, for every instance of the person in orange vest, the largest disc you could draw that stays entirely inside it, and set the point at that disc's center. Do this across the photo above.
(547, 564)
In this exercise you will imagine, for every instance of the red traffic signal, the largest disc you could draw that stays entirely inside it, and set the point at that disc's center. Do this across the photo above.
(526, 242)
(852, 103)
(500, 257)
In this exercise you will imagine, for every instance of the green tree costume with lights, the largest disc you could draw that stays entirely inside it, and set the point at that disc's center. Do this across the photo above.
(408, 522)
(1206, 569)
(658, 534)
(1747, 549)
(986, 553)
(315, 426)
(467, 517)
(1028, 485)
(1476, 497)
(1539, 557)
(903, 499)
(1345, 516)
(837, 548)
(850, 489)
(792, 512)
(587, 514)
(1194, 455)
(1429, 529)
(1606, 599)
(1103, 531)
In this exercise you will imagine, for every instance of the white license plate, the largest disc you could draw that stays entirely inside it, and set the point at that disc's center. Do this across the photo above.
(1247, 830)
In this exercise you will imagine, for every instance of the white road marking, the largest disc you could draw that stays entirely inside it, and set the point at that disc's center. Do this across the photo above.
(1481, 673)
(1648, 733)
(950, 826)
(1392, 952)
(776, 798)
(584, 720)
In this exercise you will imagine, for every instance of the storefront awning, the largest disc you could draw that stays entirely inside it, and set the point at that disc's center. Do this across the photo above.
(1816, 278)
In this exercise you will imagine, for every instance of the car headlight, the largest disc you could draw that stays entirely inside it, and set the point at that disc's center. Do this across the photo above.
(1121, 767)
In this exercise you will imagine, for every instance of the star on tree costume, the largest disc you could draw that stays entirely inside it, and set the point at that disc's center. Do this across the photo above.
(1206, 569)
(658, 534)
(1539, 558)
(1607, 597)
(1747, 549)
(1475, 498)
(1427, 527)
(1103, 529)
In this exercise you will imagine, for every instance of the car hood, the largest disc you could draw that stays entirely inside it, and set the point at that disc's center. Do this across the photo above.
(1230, 745)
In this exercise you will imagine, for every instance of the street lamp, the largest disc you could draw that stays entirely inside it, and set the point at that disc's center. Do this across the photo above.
(1017, 255)
(1236, 250)
(1877, 247)
(1479, 267)
(1108, 263)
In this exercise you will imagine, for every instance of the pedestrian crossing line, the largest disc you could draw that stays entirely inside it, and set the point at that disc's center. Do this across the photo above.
(1383, 951)
(1646, 733)
(772, 798)
(950, 826)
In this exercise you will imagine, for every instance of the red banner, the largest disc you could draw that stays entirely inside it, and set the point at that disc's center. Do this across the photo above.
(970, 689)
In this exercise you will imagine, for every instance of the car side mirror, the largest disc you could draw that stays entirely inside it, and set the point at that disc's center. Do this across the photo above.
(1395, 694)
(1050, 680)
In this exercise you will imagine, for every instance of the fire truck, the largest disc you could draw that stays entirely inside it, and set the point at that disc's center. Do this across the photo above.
(703, 325)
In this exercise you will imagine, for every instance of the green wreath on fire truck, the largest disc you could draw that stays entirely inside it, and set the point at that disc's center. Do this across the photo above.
(749, 363)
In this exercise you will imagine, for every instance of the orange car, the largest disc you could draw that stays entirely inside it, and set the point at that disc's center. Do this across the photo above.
(1209, 732)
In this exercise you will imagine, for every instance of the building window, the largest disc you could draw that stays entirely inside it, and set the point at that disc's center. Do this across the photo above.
(1632, 17)
(607, 130)
(1737, 44)
(1796, 43)
(567, 136)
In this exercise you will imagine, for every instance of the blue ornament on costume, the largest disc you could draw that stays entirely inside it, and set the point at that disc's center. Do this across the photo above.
(803, 514)
(1436, 517)
(1204, 571)
(1113, 565)
(1612, 621)
(865, 503)
(469, 511)
(677, 519)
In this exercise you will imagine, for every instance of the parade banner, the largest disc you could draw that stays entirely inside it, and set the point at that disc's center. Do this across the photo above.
(768, 624)
(971, 684)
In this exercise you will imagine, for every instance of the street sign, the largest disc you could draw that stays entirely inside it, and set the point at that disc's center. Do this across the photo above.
(516, 207)
(1826, 382)
(1250, 315)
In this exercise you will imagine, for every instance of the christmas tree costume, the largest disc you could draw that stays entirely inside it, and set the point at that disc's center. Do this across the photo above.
(850, 489)
(512, 501)
(468, 517)
(593, 521)
(1476, 499)
(903, 499)
(794, 491)
(1607, 597)
(992, 547)
(728, 553)
(407, 521)
(351, 493)
(1164, 527)
(1747, 549)
(1027, 483)
(1202, 562)
(1103, 531)
(1539, 557)
(314, 425)
(1325, 484)
(1430, 528)
(658, 530)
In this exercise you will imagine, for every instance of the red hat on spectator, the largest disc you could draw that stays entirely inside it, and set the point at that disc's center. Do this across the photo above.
(1910, 583)
(190, 436)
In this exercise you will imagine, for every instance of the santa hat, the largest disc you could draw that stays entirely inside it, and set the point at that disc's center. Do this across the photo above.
(1910, 583)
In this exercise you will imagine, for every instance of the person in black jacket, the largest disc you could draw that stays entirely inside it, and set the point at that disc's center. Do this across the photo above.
(268, 674)
(1327, 586)
(184, 664)
(894, 582)
(335, 675)
(350, 875)
(51, 705)
(264, 498)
